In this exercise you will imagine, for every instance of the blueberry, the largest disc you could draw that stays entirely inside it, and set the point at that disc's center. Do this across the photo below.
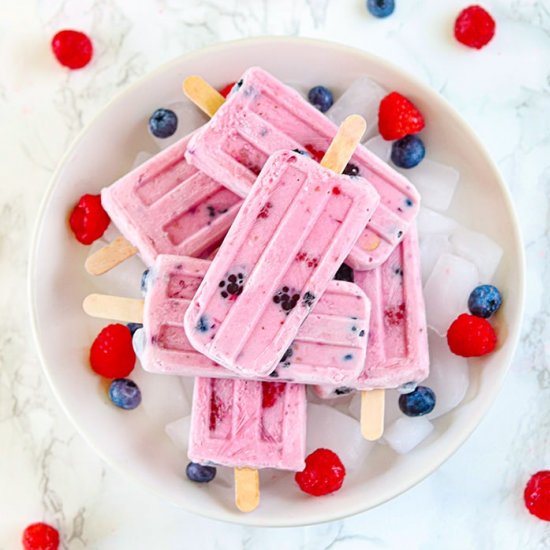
(351, 169)
(321, 98)
(132, 327)
(124, 393)
(344, 273)
(484, 301)
(417, 403)
(381, 8)
(143, 284)
(199, 473)
(163, 123)
(407, 152)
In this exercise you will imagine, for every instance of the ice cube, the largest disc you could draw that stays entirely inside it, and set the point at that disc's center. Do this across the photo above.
(380, 147)
(141, 157)
(330, 429)
(447, 289)
(363, 98)
(429, 222)
(391, 407)
(190, 117)
(435, 182)
(432, 247)
(449, 376)
(178, 432)
(479, 249)
(406, 433)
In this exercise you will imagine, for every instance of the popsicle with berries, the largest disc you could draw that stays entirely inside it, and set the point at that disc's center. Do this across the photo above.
(330, 345)
(397, 353)
(261, 116)
(248, 425)
(294, 229)
(166, 206)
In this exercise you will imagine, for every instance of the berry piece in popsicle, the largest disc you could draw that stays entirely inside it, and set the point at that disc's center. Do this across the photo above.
(88, 220)
(112, 354)
(324, 473)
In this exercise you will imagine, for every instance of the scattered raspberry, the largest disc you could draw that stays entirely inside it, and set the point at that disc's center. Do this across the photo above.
(474, 27)
(225, 91)
(72, 49)
(537, 495)
(471, 336)
(398, 117)
(40, 536)
(112, 354)
(271, 391)
(316, 154)
(324, 473)
(88, 220)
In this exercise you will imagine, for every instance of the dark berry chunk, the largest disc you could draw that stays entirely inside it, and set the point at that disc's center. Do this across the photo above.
(344, 390)
(271, 391)
(132, 327)
(408, 152)
(344, 273)
(143, 282)
(285, 359)
(232, 286)
(200, 473)
(125, 393)
(484, 301)
(417, 403)
(163, 123)
(471, 336)
(381, 8)
(351, 169)
(321, 98)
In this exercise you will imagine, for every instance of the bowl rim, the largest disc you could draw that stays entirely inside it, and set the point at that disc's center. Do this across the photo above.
(513, 327)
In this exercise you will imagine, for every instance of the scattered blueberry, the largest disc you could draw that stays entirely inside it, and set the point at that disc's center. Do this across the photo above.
(417, 403)
(132, 327)
(381, 8)
(163, 123)
(320, 97)
(351, 169)
(124, 393)
(199, 473)
(308, 298)
(408, 152)
(348, 357)
(285, 359)
(232, 285)
(344, 390)
(344, 273)
(143, 284)
(484, 301)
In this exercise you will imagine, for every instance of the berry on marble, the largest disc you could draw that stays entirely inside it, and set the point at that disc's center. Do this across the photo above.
(200, 473)
(419, 402)
(286, 356)
(471, 336)
(88, 220)
(343, 390)
(398, 116)
(484, 301)
(73, 49)
(537, 495)
(324, 473)
(163, 123)
(125, 393)
(321, 98)
(381, 8)
(474, 27)
(408, 152)
(345, 273)
(112, 354)
(40, 536)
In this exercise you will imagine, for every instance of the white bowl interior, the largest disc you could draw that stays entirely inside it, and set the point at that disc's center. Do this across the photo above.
(136, 442)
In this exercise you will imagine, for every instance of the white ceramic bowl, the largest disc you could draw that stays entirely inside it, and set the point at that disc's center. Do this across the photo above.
(135, 443)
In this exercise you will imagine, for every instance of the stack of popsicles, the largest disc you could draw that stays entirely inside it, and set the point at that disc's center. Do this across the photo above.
(264, 317)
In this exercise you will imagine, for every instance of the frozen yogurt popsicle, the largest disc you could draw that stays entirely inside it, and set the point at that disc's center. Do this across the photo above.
(397, 352)
(248, 425)
(294, 230)
(330, 345)
(261, 116)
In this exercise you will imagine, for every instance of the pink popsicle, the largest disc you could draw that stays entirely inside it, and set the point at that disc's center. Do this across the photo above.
(292, 233)
(261, 116)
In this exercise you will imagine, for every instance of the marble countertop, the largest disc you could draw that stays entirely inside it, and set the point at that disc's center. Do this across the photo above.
(48, 472)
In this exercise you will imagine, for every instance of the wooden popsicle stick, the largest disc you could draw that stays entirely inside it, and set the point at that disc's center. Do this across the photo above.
(344, 143)
(206, 98)
(372, 414)
(247, 489)
(110, 256)
(116, 308)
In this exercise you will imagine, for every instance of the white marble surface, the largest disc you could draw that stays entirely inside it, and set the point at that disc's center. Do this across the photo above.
(48, 472)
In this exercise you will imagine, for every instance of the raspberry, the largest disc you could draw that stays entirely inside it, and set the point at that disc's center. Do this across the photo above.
(474, 27)
(88, 220)
(324, 473)
(271, 391)
(398, 117)
(537, 495)
(471, 336)
(226, 89)
(112, 354)
(40, 536)
(72, 49)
